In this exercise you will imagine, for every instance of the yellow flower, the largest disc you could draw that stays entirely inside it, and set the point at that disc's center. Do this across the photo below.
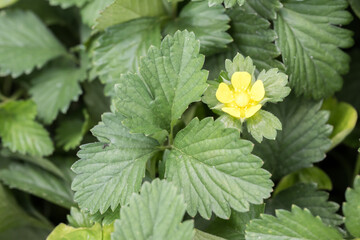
(240, 99)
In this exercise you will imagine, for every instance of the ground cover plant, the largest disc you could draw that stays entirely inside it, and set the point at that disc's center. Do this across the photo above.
(179, 119)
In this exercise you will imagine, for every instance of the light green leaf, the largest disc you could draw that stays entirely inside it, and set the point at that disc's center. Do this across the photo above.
(265, 8)
(239, 64)
(355, 5)
(302, 141)
(253, 37)
(309, 40)
(227, 3)
(208, 23)
(106, 218)
(215, 170)
(343, 118)
(38, 182)
(68, 3)
(78, 218)
(170, 79)
(351, 208)
(199, 235)
(296, 225)
(306, 196)
(91, 11)
(53, 90)
(25, 43)
(64, 232)
(124, 10)
(275, 84)
(305, 175)
(20, 132)
(234, 228)
(110, 170)
(155, 213)
(263, 124)
(119, 49)
(5, 3)
(71, 131)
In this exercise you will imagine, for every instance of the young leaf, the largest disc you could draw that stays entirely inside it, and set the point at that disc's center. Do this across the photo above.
(306, 196)
(265, 8)
(170, 79)
(91, 11)
(68, 3)
(132, 40)
(5, 3)
(302, 141)
(39, 182)
(253, 37)
(208, 23)
(124, 10)
(63, 231)
(351, 209)
(155, 213)
(296, 225)
(54, 89)
(25, 43)
(215, 170)
(309, 41)
(263, 124)
(20, 132)
(109, 171)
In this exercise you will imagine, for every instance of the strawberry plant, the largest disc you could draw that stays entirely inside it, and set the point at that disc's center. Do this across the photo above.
(179, 119)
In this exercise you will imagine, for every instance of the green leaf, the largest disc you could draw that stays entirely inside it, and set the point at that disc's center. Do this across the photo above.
(302, 141)
(124, 10)
(25, 43)
(91, 11)
(155, 213)
(132, 40)
(265, 8)
(20, 132)
(351, 208)
(309, 40)
(355, 5)
(64, 232)
(208, 23)
(215, 170)
(253, 37)
(343, 118)
(71, 131)
(296, 225)
(306, 196)
(78, 218)
(234, 228)
(199, 235)
(38, 182)
(263, 124)
(275, 84)
(305, 175)
(110, 170)
(5, 3)
(106, 218)
(170, 79)
(239, 64)
(68, 3)
(227, 3)
(53, 90)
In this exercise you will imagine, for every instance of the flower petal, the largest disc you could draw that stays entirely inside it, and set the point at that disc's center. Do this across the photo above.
(257, 91)
(224, 94)
(235, 112)
(252, 110)
(241, 80)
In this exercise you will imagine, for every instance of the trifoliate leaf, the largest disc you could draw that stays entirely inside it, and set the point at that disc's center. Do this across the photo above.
(355, 5)
(124, 10)
(305, 175)
(265, 8)
(109, 171)
(302, 141)
(263, 124)
(119, 49)
(253, 37)
(215, 170)
(351, 208)
(309, 41)
(296, 225)
(77, 218)
(38, 182)
(234, 228)
(306, 196)
(200, 235)
(170, 79)
(54, 89)
(64, 232)
(155, 213)
(68, 3)
(5, 3)
(20, 132)
(208, 23)
(91, 11)
(25, 43)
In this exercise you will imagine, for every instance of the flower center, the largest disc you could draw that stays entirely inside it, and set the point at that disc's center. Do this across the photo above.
(242, 99)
